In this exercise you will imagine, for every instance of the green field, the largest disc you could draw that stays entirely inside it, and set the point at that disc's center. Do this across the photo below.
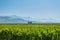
(30, 31)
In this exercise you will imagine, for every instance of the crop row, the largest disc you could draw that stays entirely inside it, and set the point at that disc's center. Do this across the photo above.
(29, 32)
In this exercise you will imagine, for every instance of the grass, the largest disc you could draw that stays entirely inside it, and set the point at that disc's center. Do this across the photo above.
(17, 31)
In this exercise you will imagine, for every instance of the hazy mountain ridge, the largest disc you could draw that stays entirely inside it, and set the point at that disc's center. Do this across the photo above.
(11, 19)
(19, 19)
(15, 18)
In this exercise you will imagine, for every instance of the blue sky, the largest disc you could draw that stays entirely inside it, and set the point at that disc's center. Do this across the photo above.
(40, 9)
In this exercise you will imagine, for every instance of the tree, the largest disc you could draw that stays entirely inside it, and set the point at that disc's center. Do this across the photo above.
(30, 22)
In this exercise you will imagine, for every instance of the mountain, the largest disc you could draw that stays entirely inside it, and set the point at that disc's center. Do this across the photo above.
(18, 19)
(11, 19)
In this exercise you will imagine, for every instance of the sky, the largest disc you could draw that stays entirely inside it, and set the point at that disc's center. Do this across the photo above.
(39, 9)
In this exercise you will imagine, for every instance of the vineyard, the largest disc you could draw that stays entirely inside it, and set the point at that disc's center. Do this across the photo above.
(29, 31)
